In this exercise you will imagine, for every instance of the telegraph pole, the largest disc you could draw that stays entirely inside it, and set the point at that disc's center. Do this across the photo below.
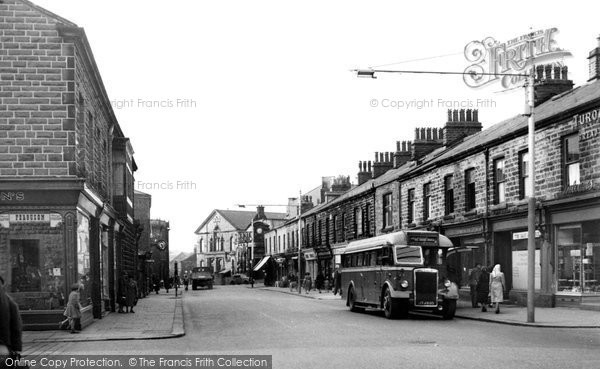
(299, 242)
(531, 183)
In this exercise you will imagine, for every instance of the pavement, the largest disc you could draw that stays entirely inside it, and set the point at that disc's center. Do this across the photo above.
(156, 316)
(558, 317)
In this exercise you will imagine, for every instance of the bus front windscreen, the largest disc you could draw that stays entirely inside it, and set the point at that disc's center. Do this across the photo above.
(409, 255)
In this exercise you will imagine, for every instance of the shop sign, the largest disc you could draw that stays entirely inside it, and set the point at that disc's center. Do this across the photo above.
(310, 255)
(10, 196)
(580, 188)
(29, 218)
(453, 232)
(590, 117)
(524, 235)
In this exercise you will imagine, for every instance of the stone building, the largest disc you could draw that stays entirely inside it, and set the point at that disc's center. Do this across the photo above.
(158, 257)
(66, 195)
(142, 203)
(471, 185)
(229, 241)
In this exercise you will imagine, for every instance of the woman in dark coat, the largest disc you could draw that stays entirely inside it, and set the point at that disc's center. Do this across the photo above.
(483, 288)
(131, 296)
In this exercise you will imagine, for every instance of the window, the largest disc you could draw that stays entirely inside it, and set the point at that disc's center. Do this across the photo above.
(426, 200)
(343, 238)
(499, 181)
(25, 259)
(449, 194)
(367, 219)
(571, 159)
(283, 242)
(358, 222)
(469, 189)
(327, 231)
(320, 232)
(411, 205)
(387, 210)
(314, 234)
(335, 220)
(524, 185)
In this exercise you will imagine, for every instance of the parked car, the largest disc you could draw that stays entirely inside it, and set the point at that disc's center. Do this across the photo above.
(239, 279)
(202, 277)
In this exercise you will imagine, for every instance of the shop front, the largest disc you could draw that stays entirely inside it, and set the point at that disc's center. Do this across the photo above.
(48, 242)
(468, 249)
(577, 246)
(510, 239)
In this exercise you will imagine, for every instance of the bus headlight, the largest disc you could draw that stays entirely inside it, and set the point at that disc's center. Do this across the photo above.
(447, 283)
(404, 284)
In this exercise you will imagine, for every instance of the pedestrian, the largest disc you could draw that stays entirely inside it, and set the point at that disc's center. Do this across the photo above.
(497, 284)
(293, 282)
(483, 288)
(155, 283)
(73, 310)
(337, 282)
(131, 296)
(11, 327)
(473, 278)
(307, 282)
(319, 280)
(168, 282)
(186, 281)
(122, 292)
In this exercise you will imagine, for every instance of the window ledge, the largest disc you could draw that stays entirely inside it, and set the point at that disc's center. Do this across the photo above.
(521, 202)
(449, 216)
(470, 212)
(387, 229)
(499, 206)
(411, 225)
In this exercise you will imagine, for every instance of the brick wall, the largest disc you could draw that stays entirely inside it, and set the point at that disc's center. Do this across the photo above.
(46, 92)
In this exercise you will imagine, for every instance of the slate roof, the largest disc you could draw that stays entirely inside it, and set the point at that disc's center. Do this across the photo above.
(560, 105)
(240, 219)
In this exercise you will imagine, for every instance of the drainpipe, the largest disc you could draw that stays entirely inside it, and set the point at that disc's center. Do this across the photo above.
(486, 226)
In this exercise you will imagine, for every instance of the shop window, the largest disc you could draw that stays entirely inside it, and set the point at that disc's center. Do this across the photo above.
(387, 210)
(83, 259)
(358, 224)
(426, 200)
(449, 194)
(469, 189)
(571, 159)
(25, 265)
(578, 262)
(499, 181)
(524, 185)
(411, 205)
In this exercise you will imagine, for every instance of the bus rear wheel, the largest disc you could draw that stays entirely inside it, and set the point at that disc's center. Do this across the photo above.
(352, 301)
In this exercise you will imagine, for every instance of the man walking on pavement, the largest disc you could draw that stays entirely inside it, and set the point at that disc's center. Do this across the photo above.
(473, 278)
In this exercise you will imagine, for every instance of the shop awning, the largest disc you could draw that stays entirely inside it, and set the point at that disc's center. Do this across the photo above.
(261, 263)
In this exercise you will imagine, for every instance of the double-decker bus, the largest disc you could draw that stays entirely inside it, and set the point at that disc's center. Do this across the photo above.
(399, 272)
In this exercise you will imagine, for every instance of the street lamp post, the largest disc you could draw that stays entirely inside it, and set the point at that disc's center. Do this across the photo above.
(370, 73)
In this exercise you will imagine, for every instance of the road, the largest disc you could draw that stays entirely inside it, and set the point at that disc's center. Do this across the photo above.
(307, 333)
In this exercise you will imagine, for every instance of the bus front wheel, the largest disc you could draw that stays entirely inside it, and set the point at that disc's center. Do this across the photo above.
(352, 301)
(390, 306)
(449, 309)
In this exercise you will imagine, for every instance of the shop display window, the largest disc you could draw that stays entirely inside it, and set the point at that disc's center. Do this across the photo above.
(578, 254)
(83, 259)
(25, 265)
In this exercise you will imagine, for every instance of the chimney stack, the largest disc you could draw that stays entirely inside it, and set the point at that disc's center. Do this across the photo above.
(403, 153)
(426, 140)
(457, 128)
(594, 62)
(364, 171)
(550, 81)
(383, 163)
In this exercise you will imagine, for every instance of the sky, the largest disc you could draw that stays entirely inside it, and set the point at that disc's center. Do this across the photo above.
(249, 102)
